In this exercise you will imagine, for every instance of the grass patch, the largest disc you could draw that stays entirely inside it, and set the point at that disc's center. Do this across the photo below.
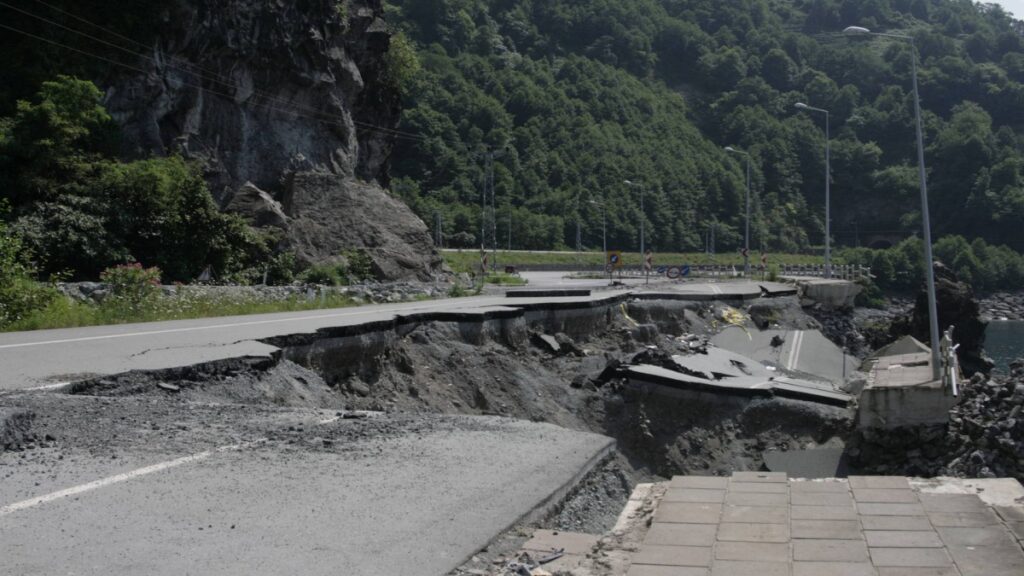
(66, 313)
(468, 261)
(504, 279)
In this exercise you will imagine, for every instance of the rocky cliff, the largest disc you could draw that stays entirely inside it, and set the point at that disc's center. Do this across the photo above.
(270, 96)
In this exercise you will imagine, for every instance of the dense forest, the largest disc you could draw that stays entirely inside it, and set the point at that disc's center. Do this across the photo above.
(576, 97)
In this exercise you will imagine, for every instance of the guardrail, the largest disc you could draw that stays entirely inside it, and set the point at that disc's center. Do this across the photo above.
(839, 272)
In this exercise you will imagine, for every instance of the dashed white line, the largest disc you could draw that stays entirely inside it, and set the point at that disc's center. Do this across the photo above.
(794, 350)
(118, 478)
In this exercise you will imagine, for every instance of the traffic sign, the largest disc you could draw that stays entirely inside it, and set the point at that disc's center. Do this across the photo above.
(615, 259)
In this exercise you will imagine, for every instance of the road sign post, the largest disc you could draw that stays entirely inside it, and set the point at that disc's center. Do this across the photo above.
(648, 265)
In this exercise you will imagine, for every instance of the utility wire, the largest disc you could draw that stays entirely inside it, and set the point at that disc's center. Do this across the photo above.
(214, 78)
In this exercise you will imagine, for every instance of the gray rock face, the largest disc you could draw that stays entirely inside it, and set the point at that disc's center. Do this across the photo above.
(259, 92)
(331, 214)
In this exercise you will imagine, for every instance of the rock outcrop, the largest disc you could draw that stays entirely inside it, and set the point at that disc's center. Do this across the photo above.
(265, 94)
(956, 307)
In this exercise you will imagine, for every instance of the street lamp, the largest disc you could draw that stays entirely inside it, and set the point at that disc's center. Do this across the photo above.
(604, 225)
(933, 317)
(746, 245)
(828, 196)
(641, 187)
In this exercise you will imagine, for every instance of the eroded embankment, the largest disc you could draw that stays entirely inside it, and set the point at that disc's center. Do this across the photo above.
(557, 365)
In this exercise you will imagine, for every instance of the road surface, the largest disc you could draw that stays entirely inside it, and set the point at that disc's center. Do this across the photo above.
(53, 357)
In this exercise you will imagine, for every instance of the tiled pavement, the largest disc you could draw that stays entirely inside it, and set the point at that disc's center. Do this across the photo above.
(763, 524)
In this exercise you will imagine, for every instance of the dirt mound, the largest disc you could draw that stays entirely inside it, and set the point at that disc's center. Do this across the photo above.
(280, 383)
(15, 428)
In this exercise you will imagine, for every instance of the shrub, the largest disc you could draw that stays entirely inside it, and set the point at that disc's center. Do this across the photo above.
(325, 274)
(20, 294)
(132, 287)
(359, 265)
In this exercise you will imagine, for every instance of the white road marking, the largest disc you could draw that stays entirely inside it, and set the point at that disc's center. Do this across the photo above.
(116, 479)
(715, 289)
(46, 387)
(794, 350)
(211, 327)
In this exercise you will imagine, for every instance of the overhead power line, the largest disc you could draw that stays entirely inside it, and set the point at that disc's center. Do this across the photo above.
(320, 116)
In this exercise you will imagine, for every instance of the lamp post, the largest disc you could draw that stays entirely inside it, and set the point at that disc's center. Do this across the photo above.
(933, 316)
(828, 196)
(746, 244)
(604, 226)
(642, 218)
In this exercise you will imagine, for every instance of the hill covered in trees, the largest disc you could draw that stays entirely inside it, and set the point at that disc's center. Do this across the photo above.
(577, 97)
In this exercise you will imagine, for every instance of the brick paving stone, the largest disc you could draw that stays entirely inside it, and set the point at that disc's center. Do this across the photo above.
(885, 495)
(821, 499)
(652, 570)
(964, 519)
(767, 487)
(760, 477)
(902, 538)
(830, 551)
(988, 560)
(694, 495)
(752, 552)
(819, 486)
(907, 571)
(702, 482)
(673, 555)
(733, 568)
(887, 509)
(736, 532)
(1011, 513)
(895, 523)
(824, 513)
(977, 536)
(665, 534)
(952, 503)
(879, 482)
(910, 557)
(833, 569)
(688, 513)
(756, 514)
(757, 499)
(826, 529)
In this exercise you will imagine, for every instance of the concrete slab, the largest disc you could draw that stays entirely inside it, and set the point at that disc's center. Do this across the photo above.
(775, 477)
(703, 482)
(735, 532)
(694, 495)
(903, 538)
(963, 519)
(910, 557)
(830, 551)
(652, 570)
(666, 534)
(952, 503)
(988, 560)
(1010, 513)
(756, 514)
(822, 499)
(888, 495)
(819, 486)
(987, 536)
(895, 523)
(757, 499)
(758, 487)
(735, 568)
(908, 571)
(688, 513)
(752, 552)
(824, 513)
(878, 509)
(826, 529)
(833, 569)
(673, 555)
(861, 482)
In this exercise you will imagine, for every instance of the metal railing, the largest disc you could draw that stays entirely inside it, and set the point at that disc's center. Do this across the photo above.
(839, 272)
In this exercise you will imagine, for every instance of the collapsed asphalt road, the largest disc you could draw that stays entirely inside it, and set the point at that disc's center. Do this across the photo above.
(134, 485)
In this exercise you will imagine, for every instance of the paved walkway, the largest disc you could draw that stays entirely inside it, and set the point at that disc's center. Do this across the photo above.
(763, 524)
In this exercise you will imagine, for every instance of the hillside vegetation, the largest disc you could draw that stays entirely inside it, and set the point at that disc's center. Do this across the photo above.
(579, 96)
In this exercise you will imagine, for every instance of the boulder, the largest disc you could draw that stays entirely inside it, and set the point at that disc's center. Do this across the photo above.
(331, 214)
(257, 207)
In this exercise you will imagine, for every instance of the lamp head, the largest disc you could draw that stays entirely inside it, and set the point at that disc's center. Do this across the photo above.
(802, 106)
(856, 30)
(730, 149)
